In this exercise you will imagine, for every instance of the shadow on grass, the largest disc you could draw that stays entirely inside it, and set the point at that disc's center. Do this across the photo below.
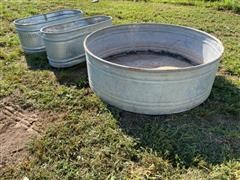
(73, 76)
(210, 132)
(37, 61)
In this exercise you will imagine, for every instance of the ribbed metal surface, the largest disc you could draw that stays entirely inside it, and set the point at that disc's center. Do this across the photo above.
(28, 28)
(154, 83)
(64, 42)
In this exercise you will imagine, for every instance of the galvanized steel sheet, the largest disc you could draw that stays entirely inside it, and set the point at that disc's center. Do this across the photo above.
(147, 80)
(28, 28)
(64, 42)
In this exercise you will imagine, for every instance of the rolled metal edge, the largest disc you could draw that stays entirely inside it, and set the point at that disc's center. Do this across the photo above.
(146, 69)
(72, 62)
(102, 72)
(70, 36)
(27, 32)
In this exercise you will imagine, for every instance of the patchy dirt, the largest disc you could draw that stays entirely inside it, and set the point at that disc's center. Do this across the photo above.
(17, 127)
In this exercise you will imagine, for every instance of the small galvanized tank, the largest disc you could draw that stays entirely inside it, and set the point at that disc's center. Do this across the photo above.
(152, 68)
(64, 42)
(28, 28)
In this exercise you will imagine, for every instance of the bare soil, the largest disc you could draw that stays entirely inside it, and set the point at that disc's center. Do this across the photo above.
(17, 127)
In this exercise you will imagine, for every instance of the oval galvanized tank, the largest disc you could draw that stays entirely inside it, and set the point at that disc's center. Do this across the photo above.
(152, 68)
(64, 42)
(28, 29)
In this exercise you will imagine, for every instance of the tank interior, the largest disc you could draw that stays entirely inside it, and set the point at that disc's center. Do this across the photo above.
(76, 24)
(154, 46)
(47, 17)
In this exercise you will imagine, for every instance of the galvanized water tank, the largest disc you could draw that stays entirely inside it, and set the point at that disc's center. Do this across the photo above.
(28, 28)
(64, 42)
(152, 68)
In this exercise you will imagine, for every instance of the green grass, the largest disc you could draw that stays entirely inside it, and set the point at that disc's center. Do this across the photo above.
(231, 5)
(97, 141)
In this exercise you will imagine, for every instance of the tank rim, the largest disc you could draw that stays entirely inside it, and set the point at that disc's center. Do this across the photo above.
(43, 30)
(16, 22)
(149, 69)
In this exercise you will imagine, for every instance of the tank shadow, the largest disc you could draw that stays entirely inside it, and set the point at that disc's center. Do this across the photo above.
(37, 61)
(73, 76)
(209, 132)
